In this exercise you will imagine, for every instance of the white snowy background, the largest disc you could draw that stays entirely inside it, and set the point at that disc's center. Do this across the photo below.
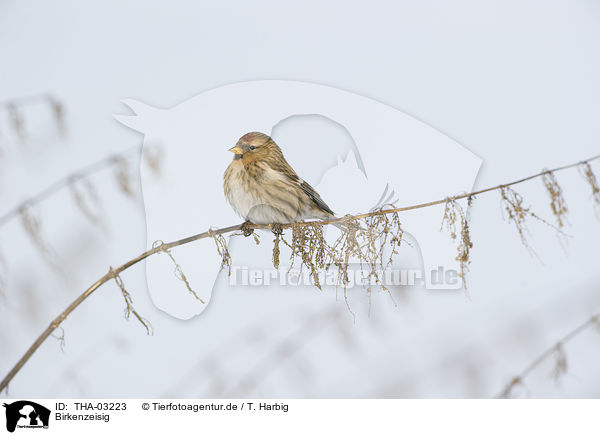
(514, 81)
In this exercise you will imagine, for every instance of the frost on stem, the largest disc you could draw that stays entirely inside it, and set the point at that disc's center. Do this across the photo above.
(454, 215)
(588, 174)
(129, 304)
(558, 205)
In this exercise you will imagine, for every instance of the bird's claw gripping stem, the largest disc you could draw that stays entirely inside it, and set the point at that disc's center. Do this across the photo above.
(277, 229)
(246, 230)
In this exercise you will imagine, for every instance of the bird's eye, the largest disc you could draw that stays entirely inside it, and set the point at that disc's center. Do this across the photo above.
(252, 147)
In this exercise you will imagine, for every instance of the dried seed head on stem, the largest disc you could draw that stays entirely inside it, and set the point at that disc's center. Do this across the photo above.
(178, 271)
(17, 122)
(558, 205)
(517, 213)
(512, 201)
(123, 175)
(16, 119)
(276, 250)
(61, 338)
(557, 351)
(3, 273)
(87, 199)
(453, 216)
(32, 225)
(153, 156)
(129, 309)
(309, 246)
(381, 231)
(560, 361)
(223, 252)
(362, 241)
(58, 111)
(585, 169)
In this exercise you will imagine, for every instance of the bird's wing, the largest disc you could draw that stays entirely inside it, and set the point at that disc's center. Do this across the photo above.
(283, 167)
(315, 197)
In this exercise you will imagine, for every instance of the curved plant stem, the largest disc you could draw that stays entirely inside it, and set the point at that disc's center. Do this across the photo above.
(113, 272)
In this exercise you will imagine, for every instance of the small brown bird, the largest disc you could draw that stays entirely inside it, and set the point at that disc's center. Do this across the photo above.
(263, 188)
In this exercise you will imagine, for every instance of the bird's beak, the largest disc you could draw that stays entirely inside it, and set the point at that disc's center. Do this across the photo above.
(236, 150)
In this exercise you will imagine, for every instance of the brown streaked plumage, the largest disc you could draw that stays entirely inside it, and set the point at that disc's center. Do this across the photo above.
(263, 188)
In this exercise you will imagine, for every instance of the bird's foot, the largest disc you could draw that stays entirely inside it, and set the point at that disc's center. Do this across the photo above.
(246, 230)
(277, 229)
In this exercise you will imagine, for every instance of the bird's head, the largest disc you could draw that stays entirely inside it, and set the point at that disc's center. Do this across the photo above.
(251, 144)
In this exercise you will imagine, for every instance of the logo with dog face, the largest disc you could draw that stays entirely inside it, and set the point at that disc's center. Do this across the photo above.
(26, 414)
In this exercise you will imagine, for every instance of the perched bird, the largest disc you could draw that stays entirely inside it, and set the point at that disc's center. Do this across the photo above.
(263, 188)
